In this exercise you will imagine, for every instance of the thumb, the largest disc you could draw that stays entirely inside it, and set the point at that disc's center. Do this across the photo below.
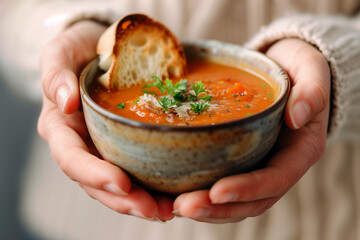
(310, 76)
(60, 86)
(61, 62)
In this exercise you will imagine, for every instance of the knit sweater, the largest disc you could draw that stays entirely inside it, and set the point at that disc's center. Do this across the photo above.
(323, 205)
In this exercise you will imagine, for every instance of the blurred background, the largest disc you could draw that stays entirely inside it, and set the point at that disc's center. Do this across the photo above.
(18, 119)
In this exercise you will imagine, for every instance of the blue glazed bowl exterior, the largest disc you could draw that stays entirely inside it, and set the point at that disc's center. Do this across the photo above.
(174, 159)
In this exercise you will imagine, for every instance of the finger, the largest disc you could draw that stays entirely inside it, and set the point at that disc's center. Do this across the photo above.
(62, 60)
(165, 207)
(310, 75)
(74, 158)
(79, 165)
(197, 205)
(298, 151)
(265, 183)
(60, 86)
(137, 203)
(50, 118)
(193, 205)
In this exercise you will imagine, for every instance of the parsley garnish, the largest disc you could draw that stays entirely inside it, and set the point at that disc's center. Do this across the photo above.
(158, 83)
(191, 98)
(176, 94)
(148, 92)
(136, 101)
(199, 88)
(199, 106)
(166, 102)
(120, 105)
(206, 98)
(176, 90)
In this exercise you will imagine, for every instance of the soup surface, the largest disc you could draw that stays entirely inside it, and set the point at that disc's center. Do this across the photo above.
(209, 93)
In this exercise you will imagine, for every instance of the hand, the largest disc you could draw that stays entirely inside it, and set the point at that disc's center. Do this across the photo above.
(299, 146)
(63, 127)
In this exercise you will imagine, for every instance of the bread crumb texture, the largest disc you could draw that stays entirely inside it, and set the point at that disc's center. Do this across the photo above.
(135, 48)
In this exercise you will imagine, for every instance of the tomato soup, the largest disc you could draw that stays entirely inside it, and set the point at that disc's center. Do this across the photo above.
(209, 93)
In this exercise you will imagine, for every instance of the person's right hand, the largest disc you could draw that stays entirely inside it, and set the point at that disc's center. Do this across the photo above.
(300, 145)
(63, 127)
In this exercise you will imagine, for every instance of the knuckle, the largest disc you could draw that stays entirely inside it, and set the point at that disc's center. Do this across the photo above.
(69, 48)
(40, 127)
(50, 81)
(228, 213)
(64, 164)
(90, 195)
(61, 162)
(43, 124)
(322, 95)
(317, 145)
(261, 206)
(63, 49)
(319, 90)
(88, 191)
(120, 207)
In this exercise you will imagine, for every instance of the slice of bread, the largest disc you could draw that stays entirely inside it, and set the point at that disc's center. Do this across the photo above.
(136, 47)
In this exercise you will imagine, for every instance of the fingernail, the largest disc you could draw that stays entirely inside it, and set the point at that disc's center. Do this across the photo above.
(300, 114)
(159, 220)
(113, 188)
(138, 214)
(227, 197)
(62, 96)
(176, 212)
(201, 213)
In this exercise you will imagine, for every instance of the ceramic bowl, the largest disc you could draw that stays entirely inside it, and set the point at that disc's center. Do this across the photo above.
(174, 159)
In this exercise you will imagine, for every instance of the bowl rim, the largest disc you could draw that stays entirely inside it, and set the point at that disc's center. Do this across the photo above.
(201, 44)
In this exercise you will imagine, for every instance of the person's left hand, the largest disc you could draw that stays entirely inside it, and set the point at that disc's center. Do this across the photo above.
(61, 124)
(299, 146)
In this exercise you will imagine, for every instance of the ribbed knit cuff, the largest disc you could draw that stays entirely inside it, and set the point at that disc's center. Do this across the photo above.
(339, 42)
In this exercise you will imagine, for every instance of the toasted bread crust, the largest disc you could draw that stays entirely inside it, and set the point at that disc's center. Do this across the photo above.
(136, 47)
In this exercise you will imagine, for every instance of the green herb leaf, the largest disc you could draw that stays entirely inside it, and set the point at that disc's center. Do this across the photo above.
(176, 90)
(181, 85)
(136, 101)
(191, 98)
(158, 83)
(120, 105)
(148, 92)
(206, 98)
(166, 102)
(198, 88)
(199, 107)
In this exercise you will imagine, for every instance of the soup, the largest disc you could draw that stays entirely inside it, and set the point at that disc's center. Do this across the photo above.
(208, 94)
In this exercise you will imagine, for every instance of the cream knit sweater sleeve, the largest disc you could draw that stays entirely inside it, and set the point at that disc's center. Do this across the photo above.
(338, 38)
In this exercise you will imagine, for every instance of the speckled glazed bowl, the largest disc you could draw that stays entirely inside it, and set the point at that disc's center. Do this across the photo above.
(175, 159)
